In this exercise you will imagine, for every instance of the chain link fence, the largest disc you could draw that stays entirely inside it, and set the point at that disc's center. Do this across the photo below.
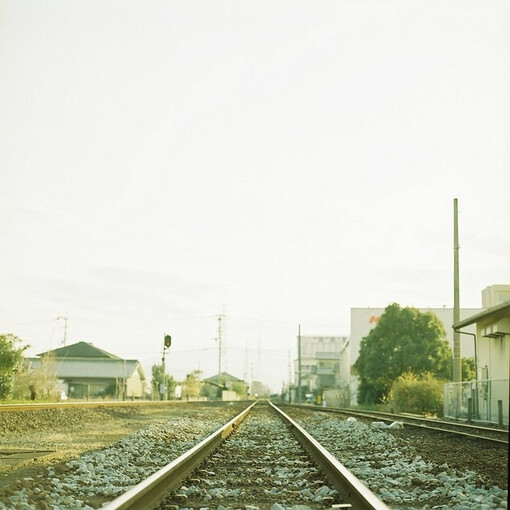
(485, 401)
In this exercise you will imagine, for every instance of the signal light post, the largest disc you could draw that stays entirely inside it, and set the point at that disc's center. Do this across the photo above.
(167, 342)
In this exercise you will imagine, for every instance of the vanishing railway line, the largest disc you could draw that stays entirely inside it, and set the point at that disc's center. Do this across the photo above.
(254, 462)
(267, 460)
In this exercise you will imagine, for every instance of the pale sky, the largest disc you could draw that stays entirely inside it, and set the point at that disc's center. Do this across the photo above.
(278, 162)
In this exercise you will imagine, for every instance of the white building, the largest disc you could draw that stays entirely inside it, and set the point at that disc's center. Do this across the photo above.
(324, 362)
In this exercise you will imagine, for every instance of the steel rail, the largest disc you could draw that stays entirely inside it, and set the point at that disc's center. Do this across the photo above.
(500, 437)
(358, 494)
(150, 492)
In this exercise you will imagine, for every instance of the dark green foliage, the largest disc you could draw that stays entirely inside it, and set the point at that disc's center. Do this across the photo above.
(468, 369)
(404, 340)
(413, 394)
(11, 354)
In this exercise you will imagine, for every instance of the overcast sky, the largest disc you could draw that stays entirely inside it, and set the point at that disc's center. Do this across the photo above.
(277, 162)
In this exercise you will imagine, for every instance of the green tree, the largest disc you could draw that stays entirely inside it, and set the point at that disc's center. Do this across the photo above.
(192, 385)
(11, 354)
(404, 340)
(240, 388)
(157, 383)
(210, 391)
(468, 369)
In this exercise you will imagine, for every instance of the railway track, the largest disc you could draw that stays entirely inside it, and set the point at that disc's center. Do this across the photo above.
(268, 459)
(489, 435)
(449, 475)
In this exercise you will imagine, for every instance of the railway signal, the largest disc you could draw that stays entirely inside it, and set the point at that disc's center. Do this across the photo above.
(167, 342)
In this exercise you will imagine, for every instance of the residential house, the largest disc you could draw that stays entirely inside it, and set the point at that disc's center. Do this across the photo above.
(84, 371)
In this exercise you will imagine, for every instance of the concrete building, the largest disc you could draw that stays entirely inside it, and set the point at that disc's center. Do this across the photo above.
(84, 371)
(487, 398)
(324, 363)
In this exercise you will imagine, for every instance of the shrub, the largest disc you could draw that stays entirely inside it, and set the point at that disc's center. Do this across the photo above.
(417, 394)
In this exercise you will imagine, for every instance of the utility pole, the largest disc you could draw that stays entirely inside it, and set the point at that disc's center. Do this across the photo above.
(220, 318)
(298, 396)
(65, 328)
(457, 373)
(290, 381)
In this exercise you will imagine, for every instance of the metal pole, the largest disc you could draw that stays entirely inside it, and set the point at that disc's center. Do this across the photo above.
(163, 388)
(65, 330)
(457, 374)
(299, 366)
(219, 344)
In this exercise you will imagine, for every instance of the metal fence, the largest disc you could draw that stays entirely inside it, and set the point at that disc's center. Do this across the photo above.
(485, 401)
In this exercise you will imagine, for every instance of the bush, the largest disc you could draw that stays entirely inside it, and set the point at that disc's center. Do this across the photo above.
(417, 394)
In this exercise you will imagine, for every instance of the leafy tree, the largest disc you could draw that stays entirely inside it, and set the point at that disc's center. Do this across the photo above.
(39, 383)
(404, 340)
(240, 388)
(11, 354)
(210, 391)
(157, 381)
(260, 389)
(468, 369)
(192, 385)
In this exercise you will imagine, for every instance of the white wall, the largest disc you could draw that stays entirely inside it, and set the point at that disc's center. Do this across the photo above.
(364, 319)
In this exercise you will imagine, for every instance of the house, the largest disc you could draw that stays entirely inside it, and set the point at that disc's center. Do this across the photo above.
(84, 371)
(487, 398)
(221, 386)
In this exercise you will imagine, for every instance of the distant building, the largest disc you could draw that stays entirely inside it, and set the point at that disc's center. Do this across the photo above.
(495, 295)
(84, 371)
(324, 363)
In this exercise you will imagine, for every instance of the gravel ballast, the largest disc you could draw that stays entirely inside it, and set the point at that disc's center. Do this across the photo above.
(390, 464)
(391, 467)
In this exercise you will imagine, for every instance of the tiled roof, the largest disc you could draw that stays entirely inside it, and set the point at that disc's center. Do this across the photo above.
(223, 377)
(80, 350)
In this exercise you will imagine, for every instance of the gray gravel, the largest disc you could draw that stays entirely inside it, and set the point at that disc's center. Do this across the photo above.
(262, 465)
(390, 468)
(103, 475)
(386, 463)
